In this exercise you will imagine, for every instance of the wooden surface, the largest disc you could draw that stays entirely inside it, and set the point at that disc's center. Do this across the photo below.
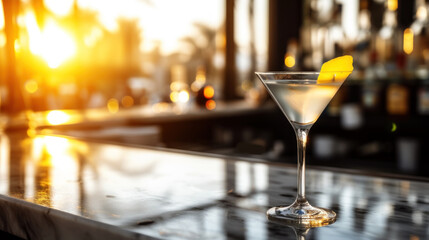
(61, 188)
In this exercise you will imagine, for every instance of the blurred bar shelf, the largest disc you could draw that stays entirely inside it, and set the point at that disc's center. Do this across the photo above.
(158, 113)
(246, 130)
(56, 187)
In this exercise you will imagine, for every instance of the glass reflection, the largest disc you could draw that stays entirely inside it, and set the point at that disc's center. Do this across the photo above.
(16, 168)
(157, 193)
(43, 178)
(4, 162)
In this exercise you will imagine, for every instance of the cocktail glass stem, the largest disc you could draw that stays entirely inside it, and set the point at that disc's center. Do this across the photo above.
(300, 213)
(301, 132)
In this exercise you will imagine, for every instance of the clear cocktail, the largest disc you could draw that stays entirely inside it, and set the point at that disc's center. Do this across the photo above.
(302, 101)
(302, 96)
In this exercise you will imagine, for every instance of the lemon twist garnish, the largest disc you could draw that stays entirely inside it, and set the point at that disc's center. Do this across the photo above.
(336, 70)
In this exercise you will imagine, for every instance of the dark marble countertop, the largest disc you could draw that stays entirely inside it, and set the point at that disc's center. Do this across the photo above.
(55, 187)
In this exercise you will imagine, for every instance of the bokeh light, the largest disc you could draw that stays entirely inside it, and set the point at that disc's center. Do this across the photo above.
(209, 92)
(174, 96)
(183, 96)
(127, 101)
(408, 41)
(392, 5)
(289, 61)
(31, 86)
(113, 105)
(57, 117)
(211, 104)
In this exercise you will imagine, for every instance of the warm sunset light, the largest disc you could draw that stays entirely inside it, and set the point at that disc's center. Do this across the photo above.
(58, 45)
(31, 86)
(408, 44)
(56, 146)
(17, 46)
(57, 117)
(91, 39)
(113, 105)
(61, 150)
(31, 132)
(52, 43)
(60, 8)
(192, 119)
(2, 39)
(1, 16)
(208, 92)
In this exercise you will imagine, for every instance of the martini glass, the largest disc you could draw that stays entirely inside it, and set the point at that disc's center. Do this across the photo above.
(302, 99)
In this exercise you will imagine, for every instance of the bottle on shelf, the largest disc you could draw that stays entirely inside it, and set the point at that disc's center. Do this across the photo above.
(423, 97)
(351, 115)
(397, 99)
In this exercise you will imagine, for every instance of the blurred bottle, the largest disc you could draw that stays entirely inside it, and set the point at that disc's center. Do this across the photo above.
(398, 91)
(351, 110)
(407, 152)
(362, 48)
(371, 95)
(372, 88)
(397, 99)
(324, 146)
(423, 97)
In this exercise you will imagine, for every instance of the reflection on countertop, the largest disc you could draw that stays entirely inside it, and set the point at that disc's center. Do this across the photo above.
(49, 183)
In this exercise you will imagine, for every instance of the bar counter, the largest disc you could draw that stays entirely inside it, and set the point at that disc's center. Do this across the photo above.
(56, 187)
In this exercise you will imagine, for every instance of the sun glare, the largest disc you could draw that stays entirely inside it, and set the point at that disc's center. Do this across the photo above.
(61, 8)
(53, 43)
(1, 16)
(57, 117)
(58, 45)
(56, 146)
(2, 39)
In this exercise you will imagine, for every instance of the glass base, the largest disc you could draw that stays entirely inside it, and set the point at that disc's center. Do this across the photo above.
(302, 215)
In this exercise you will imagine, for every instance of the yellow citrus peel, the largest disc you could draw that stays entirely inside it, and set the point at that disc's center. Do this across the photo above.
(336, 70)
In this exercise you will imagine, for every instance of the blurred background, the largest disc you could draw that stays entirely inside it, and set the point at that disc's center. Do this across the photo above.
(180, 74)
